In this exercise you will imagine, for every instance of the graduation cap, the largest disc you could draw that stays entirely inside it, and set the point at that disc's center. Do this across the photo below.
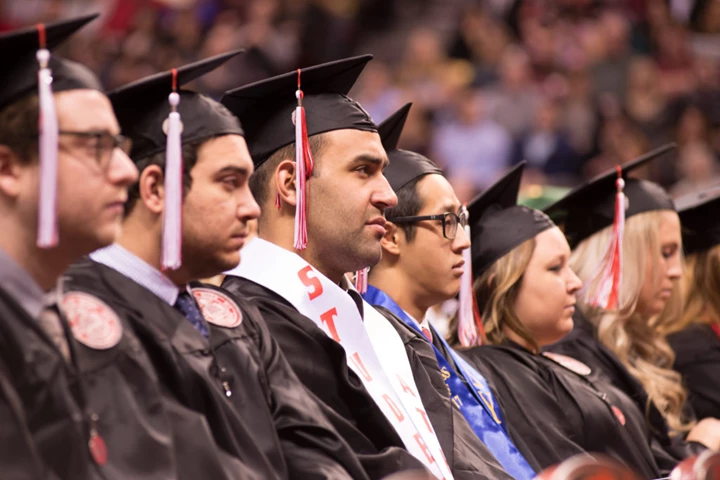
(29, 68)
(590, 207)
(158, 116)
(607, 200)
(699, 219)
(498, 224)
(290, 108)
(405, 166)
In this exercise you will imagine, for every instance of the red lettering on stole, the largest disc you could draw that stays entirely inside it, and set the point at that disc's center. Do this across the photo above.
(328, 318)
(355, 358)
(398, 414)
(425, 417)
(424, 448)
(310, 282)
(405, 387)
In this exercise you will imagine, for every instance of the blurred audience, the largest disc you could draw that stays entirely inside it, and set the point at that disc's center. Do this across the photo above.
(572, 86)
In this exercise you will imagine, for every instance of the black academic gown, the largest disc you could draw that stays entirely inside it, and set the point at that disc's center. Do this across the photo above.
(320, 364)
(467, 456)
(697, 358)
(310, 446)
(211, 439)
(43, 413)
(560, 412)
(122, 388)
(583, 345)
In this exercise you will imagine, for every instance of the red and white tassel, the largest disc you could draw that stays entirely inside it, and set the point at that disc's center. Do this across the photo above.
(304, 165)
(467, 310)
(361, 280)
(607, 289)
(172, 220)
(48, 150)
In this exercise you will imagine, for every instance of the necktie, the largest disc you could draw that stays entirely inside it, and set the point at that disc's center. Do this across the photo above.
(187, 306)
(50, 322)
(427, 333)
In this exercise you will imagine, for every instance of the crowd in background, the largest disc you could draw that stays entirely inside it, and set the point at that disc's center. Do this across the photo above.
(572, 86)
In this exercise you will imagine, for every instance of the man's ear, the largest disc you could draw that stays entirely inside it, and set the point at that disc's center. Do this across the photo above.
(10, 172)
(285, 182)
(392, 239)
(152, 189)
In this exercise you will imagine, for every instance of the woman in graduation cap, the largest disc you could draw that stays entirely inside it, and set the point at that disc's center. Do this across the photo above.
(630, 270)
(695, 337)
(525, 294)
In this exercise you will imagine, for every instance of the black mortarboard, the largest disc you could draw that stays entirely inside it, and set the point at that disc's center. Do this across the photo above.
(700, 220)
(18, 57)
(590, 207)
(159, 116)
(142, 108)
(498, 224)
(266, 108)
(405, 166)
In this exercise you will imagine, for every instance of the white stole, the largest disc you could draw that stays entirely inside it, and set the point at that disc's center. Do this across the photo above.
(374, 350)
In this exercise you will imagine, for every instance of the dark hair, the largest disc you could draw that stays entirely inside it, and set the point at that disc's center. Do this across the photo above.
(189, 158)
(19, 127)
(409, 204)
(260, 180)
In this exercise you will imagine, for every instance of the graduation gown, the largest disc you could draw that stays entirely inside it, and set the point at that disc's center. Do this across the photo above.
(320, 364)
(309, 446)
(697, 358)
(122, 388)
(210, 437)
(43, 413)
(562, 411)
(467, 456)
(582, 344)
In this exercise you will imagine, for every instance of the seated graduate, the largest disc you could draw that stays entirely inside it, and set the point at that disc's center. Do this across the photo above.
(630, 264)
(319, 181)
(525, 293)
(422, 266)
(60, 420)
(695, 337)
(240, 412)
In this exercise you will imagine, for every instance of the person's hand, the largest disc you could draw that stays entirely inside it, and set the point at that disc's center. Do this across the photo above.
(707, 432)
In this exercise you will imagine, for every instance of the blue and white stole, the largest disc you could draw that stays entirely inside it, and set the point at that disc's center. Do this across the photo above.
(471, 394)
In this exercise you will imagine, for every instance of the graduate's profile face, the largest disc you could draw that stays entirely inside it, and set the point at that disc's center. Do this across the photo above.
(218, 207)
(663, 267)
(546, 299)
(347, 197)
(432, 262)
(92, 180)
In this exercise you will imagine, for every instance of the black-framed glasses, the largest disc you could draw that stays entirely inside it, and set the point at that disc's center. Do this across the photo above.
(450, 221)
(103, 142)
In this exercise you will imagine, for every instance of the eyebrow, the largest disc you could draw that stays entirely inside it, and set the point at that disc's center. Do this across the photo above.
(234, 169)
(367, 158)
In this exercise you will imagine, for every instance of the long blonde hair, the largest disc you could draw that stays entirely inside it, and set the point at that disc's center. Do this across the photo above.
(701, 288)
(636, 340)
(496, 290)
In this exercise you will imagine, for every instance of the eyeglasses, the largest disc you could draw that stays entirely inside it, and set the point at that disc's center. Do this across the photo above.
(103, 142)
(450, 221)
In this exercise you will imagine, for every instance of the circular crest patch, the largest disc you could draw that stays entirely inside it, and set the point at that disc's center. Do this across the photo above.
(570, 363)
(92, 322)
(218, 308)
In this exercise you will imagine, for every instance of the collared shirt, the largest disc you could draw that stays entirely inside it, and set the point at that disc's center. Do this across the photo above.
(138, 270)
(23, 288)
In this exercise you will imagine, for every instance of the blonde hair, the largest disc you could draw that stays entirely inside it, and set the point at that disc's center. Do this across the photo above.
(701, 288)
(496, 290)
(636, 340)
